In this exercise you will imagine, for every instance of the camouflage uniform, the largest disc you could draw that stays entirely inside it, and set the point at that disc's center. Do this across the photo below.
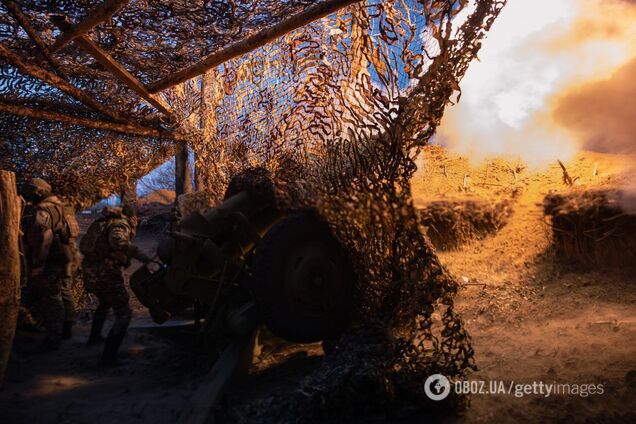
(103, 278)
(52, 258)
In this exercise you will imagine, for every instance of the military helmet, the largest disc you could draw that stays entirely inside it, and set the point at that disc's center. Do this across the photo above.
(36, 189)
(111, 212)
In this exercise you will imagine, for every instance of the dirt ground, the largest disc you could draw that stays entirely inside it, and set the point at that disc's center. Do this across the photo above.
(161, 368)
(532, 319)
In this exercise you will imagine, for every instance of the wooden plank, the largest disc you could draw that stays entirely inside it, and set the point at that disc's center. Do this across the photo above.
(121, 127)
(113, 66)
(200, 407)
(100, 14)
(252, 42)
(56, 81)
(10, 208)
(24, 22)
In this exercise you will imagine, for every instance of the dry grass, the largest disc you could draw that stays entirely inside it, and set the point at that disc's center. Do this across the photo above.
(452, 224)
(592, 228)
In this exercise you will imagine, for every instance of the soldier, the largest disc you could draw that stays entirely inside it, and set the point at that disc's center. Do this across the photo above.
(52, 258)
(107, 248)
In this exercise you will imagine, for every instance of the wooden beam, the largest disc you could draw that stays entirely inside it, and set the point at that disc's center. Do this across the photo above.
(24, 22)
(235, 359)
(125, 128)
(113, 66)
(10, 207)
(56, 81)
(252, 42)
(101, 13)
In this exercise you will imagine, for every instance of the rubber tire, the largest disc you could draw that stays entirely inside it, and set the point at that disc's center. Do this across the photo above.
(302, 243)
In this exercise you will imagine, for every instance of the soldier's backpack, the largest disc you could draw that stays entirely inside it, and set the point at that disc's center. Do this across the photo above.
(64, 226)
(94, 244)
(71, 231)
(62, 218)
(93, 239)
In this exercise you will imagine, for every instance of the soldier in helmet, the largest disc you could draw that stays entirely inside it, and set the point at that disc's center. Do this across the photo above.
(52, 258)
(108, 249)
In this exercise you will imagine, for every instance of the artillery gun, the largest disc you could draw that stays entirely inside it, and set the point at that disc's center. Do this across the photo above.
(249, 263)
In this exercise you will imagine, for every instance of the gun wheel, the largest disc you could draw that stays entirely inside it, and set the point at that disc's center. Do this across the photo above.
(303, 280)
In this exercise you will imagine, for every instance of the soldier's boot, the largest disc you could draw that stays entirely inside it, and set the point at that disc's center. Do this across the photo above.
(67, 330)
(109, 357)
(96, 331)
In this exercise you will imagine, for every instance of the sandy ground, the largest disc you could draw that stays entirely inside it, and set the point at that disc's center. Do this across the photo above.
(535, 319)
(532, 319)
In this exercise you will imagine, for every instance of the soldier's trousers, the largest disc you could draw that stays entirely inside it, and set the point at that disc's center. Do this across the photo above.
(118, 301)
(54, 300)
(108, 286)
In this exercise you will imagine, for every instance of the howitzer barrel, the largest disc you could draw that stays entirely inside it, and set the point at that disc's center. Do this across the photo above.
(210, 247)
(208, 223)
(206, 245)
(245, 263)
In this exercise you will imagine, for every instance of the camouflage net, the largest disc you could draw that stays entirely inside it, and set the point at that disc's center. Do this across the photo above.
(151, 39)
(364, 99)
(337, 112)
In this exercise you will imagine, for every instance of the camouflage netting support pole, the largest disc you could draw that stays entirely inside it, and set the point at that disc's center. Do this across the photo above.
(183, 183)
(182, 180)
(9, 265)
(199, 181)
(129, 192)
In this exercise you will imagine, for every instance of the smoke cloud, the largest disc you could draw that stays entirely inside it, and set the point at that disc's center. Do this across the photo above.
(553, 77)
(603, 113)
